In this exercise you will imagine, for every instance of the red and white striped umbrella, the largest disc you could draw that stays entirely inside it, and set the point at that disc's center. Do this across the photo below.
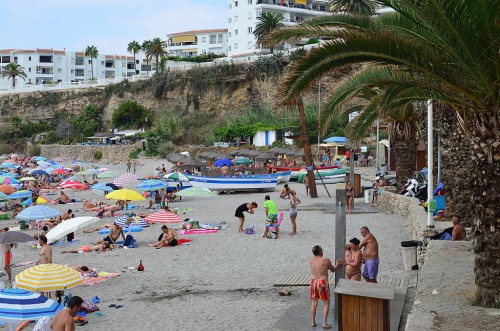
(163, 217)
(124, 179)
(72, 184)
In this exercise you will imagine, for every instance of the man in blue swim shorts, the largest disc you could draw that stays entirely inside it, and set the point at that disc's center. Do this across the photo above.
(370, 255)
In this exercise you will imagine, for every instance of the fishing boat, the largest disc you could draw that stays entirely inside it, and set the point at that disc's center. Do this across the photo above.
(323, 167)
(236, 183)
(332, 176)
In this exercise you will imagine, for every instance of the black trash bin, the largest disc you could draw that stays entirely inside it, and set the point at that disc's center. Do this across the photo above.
(409, 248)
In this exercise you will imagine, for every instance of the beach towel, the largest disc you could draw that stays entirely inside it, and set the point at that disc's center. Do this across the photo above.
(185, 232)
(101, 277)
(22, 264)
(182, 241)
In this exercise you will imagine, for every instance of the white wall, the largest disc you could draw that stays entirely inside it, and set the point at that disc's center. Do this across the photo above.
(259, 139)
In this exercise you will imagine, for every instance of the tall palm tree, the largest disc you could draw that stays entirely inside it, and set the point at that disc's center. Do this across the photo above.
(156, 49)
(146, 44)
(13, 70)
(134, 47)
(268, 22)
(363, 7)
(441, 50)
(92, 52)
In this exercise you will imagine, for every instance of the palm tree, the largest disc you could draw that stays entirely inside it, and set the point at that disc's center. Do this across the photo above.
(268, 22)
(13, 70)
(146, 44)
(134, 47)
(156, 49)
(362, 7)
(92, 52)
(442, 50)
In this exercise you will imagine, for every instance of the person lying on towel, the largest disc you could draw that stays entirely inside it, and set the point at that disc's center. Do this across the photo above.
(168, 238)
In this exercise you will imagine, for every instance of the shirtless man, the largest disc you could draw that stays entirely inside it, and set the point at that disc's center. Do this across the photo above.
(63, 198)
(168, 238)
(353, 261)
(63, 321)
(458, 232)
(285, 192)
(370, 255)
(116, 231)
(319, 288)
(65, 216)
(45, 252)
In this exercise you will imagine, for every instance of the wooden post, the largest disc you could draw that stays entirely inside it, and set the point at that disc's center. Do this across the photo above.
(313, 192)
(340, 239)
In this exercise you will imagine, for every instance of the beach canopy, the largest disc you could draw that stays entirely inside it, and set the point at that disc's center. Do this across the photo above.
(38, 212)
(125, 179)
(242, 160)
(196, 191)
(134, 221)
(338, 140)
(23, 194)
(8, 180)
(40, 158)
(39, 172)
(103, 187)
(124, 194)
(13, 237)
(107, 174)
(27, 179)
(72, 184)
(151, 185)
(163, 217)
(223, 162)
(177, 176)
(48, 277)
(7, 189)
(21, 305)
(68, 227)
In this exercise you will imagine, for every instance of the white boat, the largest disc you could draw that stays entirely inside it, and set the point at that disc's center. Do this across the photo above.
(244, 183)
(333, 179)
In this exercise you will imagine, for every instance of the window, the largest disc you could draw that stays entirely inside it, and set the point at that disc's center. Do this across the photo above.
(90, 61)
(59, 70)
(204, 52)
(72, 71)
(79, 72)
(220, 38)
(29, 58)
(5, 59)
(250, 29)
(29, 70)
(236, 32)
(230, 6)
(236, 3)
(203, 39)
(229, 48)
(249, 2)
(236, 46)
(79, 61)
(213, 39)
(45, 58)
(230, 34)
(236, 18)
(229, 20)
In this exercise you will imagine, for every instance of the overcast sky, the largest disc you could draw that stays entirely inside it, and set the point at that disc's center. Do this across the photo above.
(108, 24)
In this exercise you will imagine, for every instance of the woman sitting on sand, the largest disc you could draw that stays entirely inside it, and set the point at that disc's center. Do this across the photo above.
(95, 248)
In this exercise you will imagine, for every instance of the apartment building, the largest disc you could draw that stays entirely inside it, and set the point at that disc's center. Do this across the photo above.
(243, 17)
(48, 65)
(197, 42)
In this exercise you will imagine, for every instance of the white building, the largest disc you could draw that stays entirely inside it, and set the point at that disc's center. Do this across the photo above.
(51, 66)
(268, 137)
(197, 42)
(244, 14)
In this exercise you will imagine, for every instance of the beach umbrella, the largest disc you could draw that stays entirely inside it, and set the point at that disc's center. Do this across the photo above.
(44, 164)
(18, 305)
(223, 162)
(107, 174)
(40, 158)
(124, 194)
(38, 212)
(134, 221)
(196, 191)
(77, 164)
(13, 237)
(242, 160)
(48, 277)
(27, 179)
(83, 173)
(6, 165)
(177, 176)
(125, 179)
(72, 184)
(163, 217)
(92, 171)
(7, 189)
(39, 172)
(338, 140)
(39, 201)
(58, 172)
(59, 159)
(69, 226)
(8, 180)
(102, 187)
(151, 185)
(3, 196)
(103, 169)
(23, 194)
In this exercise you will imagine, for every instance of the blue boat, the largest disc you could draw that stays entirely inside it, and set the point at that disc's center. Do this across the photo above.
(236, 183)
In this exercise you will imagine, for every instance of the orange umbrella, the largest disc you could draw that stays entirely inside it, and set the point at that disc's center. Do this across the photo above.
(7, 189)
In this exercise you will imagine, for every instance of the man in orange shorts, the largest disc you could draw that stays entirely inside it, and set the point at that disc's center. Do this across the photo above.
(7, 258)
(319, 288)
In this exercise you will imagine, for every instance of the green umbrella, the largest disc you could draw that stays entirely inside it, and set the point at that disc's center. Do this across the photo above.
(242, 160)
(196, 191)
(177, 176)
(107, 174)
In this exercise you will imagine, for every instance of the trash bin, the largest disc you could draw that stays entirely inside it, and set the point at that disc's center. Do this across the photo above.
(368, 196)
(410, 254)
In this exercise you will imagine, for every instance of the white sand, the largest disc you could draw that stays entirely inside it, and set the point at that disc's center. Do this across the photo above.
(220, 281)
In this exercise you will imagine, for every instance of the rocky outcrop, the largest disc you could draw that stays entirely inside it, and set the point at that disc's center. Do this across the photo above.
(112, 154)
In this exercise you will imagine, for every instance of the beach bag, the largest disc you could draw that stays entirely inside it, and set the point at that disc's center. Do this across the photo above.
(24, 225)
(128, 240)
(195, 224)
(89, 306)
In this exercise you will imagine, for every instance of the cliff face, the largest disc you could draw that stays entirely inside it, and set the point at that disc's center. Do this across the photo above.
(212, 93)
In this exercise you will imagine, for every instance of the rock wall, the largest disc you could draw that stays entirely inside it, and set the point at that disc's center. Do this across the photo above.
(114, 154)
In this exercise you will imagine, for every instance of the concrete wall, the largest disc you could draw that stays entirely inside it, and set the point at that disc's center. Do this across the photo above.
(114, 154)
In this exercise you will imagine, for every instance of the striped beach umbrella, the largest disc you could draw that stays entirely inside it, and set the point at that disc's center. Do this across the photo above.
(177, 176)
(48, 277)
(72, 184)
(107, 174)
(163, 217)
(38, 212)
(151, 185)
(8, 180)
(124, 194)
(22, 194)
(20, 305)
(125, 179)
(196, 191)
(123, 221)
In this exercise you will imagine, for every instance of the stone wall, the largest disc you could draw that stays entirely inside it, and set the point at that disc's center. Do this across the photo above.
(113, 154)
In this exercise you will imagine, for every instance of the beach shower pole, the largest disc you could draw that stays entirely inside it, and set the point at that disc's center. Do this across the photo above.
(430, 162)
(377, 160)
(319, 117)
(439, 159)
(340, 237)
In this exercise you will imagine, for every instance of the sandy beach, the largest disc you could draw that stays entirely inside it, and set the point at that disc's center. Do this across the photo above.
(221, 281)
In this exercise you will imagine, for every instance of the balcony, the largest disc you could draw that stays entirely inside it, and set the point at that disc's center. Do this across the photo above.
(46, 59)
(44, 71)
(276, 4)
(110, 64)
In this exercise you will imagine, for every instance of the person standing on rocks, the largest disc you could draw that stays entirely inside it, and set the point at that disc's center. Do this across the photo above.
(370, 255)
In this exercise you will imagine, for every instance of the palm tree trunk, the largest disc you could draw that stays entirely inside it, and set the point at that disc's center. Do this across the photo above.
(313, 193)
(135, 66)
(405, 148)
(92, 67)
(13, 82)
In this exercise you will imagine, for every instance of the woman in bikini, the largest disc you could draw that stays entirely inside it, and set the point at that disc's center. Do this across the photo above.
(353, 260)
(95, 248)
(348, 194)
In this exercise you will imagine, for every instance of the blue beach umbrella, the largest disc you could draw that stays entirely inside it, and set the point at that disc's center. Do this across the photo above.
(223, 162)
(40, 158)
(338, 140)
(18, 305)
(38, 212)
(23, 194)
(136, 221)
(27, 202)
(102, 187)
(40, 173)
(151, 185)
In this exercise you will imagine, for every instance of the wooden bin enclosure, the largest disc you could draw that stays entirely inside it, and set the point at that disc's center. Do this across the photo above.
(356, 185)
(363, 306)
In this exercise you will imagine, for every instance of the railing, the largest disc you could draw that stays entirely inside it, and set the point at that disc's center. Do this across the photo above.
(312, 7)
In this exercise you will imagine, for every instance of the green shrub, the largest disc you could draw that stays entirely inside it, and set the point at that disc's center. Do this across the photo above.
(135, 153)
(165, 148)
(130, 114)
(4, 148)
(34, 150)
(97, 155)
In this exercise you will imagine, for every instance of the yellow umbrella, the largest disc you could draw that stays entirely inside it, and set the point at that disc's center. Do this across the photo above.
(48, 277)
(125, 194)
(41, 200)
